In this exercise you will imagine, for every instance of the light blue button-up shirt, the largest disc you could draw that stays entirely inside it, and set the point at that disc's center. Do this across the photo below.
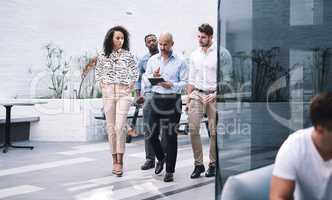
(142, 68)
(175, 71)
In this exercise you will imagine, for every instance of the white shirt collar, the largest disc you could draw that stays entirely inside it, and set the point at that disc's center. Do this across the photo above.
(211, 48)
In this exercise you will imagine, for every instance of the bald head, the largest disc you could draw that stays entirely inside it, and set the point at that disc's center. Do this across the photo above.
(166, 43)
(166, 36)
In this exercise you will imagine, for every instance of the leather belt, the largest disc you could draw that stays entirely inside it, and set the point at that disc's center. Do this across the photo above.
(170, 94)
(205, 91)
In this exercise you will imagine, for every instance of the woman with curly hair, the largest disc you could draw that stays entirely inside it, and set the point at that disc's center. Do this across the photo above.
(116, 73)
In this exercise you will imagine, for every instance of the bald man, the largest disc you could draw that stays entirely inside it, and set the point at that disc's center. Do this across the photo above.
(166, 102)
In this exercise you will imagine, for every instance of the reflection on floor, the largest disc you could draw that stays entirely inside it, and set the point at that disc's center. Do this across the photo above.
(248, 137)
(80, 171)
(236, 156)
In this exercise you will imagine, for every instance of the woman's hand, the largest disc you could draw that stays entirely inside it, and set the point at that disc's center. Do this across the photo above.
(130, 87)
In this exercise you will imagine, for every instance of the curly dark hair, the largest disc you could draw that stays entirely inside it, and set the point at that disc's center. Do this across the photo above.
(108, 41)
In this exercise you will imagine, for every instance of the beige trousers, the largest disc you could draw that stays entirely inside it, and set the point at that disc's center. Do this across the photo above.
(196, 111)
(117, 101)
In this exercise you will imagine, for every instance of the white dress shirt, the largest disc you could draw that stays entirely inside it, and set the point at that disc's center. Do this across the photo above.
(203, 69)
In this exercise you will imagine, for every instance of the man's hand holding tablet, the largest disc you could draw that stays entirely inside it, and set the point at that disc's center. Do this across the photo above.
(156, 80)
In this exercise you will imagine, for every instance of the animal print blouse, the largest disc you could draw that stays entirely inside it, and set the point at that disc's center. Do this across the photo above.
(119, 68)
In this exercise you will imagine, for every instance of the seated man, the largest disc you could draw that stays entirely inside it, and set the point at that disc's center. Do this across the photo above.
(303, 167)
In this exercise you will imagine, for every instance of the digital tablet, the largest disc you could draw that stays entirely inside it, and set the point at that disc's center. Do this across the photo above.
(156, 80)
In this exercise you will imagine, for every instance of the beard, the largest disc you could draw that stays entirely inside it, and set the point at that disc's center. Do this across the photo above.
(154, 49)
(205, 44)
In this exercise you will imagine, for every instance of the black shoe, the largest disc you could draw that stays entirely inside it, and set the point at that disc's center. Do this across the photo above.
(128, 139)
(159, 166)
(197, 171)
(168, 177)
(211, 170)
(149, 164)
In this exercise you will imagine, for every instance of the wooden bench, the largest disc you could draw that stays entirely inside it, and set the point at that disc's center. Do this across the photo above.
(20, 127)
(20, 119)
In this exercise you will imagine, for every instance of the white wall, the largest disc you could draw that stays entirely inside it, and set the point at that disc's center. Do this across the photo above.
(79, 26)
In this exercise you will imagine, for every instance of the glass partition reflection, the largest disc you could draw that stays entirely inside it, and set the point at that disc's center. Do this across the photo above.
(281, 56)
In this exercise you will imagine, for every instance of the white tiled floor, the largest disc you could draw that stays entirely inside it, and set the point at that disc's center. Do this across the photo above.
(81, 171)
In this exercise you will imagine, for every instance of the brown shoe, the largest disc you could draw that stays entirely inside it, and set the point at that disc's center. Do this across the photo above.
(119, 168)
(115, 162)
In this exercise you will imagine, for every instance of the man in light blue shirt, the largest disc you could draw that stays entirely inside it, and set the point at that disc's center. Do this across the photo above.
(166, 102)
(172, 68)
(151, 43)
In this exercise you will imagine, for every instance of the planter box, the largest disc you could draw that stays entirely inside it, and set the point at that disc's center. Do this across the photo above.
(68, 120)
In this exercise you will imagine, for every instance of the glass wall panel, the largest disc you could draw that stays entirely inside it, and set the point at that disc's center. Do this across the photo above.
(279, 56)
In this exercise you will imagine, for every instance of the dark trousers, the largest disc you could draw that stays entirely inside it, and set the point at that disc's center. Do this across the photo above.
(147, 108)
(164, 117)
(149, 152)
